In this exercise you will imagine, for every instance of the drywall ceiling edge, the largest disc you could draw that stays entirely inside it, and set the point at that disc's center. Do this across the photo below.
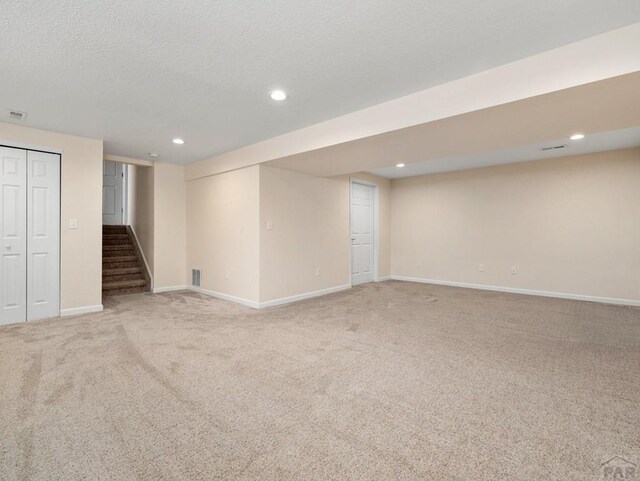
(127, 160)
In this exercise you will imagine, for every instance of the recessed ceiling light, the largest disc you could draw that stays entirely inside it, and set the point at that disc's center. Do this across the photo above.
(577, 136)
(154, 155)
(400, 165)
(178, 141)
(278, 95)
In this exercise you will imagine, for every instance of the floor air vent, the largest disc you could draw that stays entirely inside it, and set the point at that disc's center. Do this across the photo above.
(195, 277)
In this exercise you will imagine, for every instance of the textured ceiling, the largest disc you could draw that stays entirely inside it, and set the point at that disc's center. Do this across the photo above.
(138, 73)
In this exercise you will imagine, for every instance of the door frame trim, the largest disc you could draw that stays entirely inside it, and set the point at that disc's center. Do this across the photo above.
(125, 194)
(26, 146)
(376, 225)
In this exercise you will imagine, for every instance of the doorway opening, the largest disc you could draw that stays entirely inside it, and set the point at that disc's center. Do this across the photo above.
(363, 230)
(124, 266)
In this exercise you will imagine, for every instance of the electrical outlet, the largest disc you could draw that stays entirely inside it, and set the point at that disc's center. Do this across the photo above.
(419, 264)
(481, 268)
(269, 225)
(514, 271)
(73, 223)
(226, 275)
(317, 272)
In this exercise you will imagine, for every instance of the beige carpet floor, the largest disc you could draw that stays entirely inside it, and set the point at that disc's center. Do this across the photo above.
(390, 381)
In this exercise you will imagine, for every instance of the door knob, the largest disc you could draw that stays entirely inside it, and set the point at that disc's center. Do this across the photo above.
(8, 246)
(353, 238)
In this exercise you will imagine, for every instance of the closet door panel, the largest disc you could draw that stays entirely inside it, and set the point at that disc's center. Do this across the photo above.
(43, 233)
(13, 246)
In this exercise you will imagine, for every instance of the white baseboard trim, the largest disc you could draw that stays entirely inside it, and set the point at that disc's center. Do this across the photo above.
(143, 257)
(157, 290)
(75, 311)
(271, 303)
(305, 295)
(226, 297)
(383, 278)
(528, 292)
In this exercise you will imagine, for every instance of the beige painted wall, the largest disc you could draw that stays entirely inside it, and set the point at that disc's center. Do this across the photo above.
(170, 226)
(142, 221)
(157, 213)
(309, 217)
(81, 198)
(227, 217)
(569, 225)
(222, 231)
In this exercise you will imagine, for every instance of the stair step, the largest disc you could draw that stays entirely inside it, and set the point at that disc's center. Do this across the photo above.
(107, 266)
(127, 290)
(119, 271)
(123, 284)
(118, 252)
(114, 230)
(115, 236)
(117, 247)
(118, 259)
(116, 242)
(136, 276)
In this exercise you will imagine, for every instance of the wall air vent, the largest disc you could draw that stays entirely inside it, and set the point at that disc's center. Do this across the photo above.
(17, 115)
(553, 147)
(195, 277)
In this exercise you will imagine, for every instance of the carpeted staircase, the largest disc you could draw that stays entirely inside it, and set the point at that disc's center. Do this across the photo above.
(123, 270)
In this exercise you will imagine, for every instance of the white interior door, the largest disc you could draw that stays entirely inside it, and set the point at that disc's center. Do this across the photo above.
(362, 233)
(112, 193)
(43, 234)
(13, 232)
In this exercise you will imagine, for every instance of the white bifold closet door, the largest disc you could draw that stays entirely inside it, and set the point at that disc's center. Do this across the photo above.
(13, 275)
(30, 233)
